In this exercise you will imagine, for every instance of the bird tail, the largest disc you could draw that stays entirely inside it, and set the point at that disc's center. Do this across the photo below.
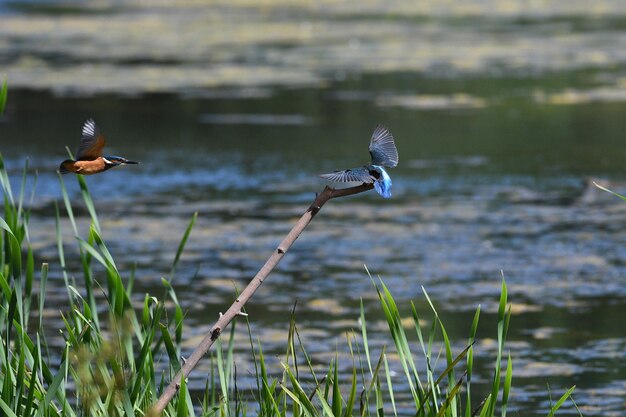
(383, 185)
(67, 166)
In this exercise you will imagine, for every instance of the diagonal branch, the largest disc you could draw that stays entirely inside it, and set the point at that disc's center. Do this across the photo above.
(247, 293)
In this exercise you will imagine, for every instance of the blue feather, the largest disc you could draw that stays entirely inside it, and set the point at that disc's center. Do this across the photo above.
(383, 184)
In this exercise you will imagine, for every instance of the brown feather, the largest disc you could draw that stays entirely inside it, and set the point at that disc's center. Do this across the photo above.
(89, 167)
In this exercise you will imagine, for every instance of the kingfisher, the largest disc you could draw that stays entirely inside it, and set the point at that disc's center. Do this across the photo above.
(383, 153)
(89, 158)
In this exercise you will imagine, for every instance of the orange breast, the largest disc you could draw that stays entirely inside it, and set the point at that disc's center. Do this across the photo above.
(89, 167)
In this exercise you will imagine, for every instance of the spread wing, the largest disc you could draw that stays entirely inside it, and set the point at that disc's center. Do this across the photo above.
(350, 175)
(382, 148)
(91, 143)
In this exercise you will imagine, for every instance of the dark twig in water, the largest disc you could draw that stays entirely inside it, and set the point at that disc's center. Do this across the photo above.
(235, 309)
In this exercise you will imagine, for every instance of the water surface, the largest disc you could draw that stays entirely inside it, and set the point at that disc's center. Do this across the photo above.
(502, 115)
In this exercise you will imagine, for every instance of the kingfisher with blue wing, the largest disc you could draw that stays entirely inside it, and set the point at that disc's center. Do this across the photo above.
(383, 153)
(89, 159)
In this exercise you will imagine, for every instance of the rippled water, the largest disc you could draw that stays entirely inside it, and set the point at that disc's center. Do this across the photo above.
(502, 112)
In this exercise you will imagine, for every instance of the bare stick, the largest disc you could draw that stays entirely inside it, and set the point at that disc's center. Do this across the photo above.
(235, 309)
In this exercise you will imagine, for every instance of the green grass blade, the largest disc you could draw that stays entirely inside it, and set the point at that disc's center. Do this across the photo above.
(452, 364)
(507, 385)
(221, 370)
(561, 400)
(29, 403)
(433, 388)
(6, 184)
(394, 321)
(266, 396)
(374, 380)
(380, 405)
(609, 191)
(61, 253)
(230, 353)
(297, 400)
(325, 406)
(300, 397)
(181, 410)
(128, 407)
(20, 198)
(348, 412)
(337, 400)
(110, 262)
(143, 359)
(55, 386)
(470, 363)
(170, 348)
(15, 251)
(3, 94)
(502, 330)
(390, 386)
(20, 375)
(68, 205)
(352, 396)
(7, 410)
(429, 406)
(503, 300)
(4, 286)
(450, 370)
(447, 407)
(307, 358)
(93, 252)
(28, 284)
(88, 201)
(364, 336)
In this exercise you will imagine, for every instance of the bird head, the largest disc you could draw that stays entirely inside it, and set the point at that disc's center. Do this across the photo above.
(112, 161)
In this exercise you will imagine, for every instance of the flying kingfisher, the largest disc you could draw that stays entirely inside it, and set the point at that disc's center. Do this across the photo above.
(89, 158)
(384, 154)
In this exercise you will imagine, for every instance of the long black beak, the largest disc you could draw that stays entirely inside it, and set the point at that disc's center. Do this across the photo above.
(131, 162)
